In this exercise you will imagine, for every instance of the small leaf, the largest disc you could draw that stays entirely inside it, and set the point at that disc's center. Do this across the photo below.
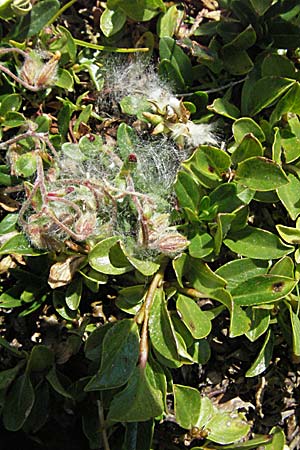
(139, 401)
(100, 261)
(250, 146)
(112, 21)
(73, 294)
(295, 322)
(170, 51)
(239, 270)
(289, 195)
(187, 404)
(18, 403)
(193, 317)
(41, 358)
(64, 80)
(289, 234)
(263, 359)
(236, 61)
(25, 165)
(201, 245)
(225, 429)
(260, 320)
(224, 108)
(121, 345)
(41, 13)
(261, 174)
(262, 289)
(55, 383)
(18, 244)
(62, 273)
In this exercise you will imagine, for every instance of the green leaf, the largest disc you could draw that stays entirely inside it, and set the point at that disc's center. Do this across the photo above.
(258, 244)
(277, 65)
(55, 383)
(289, 195)
(227, 198)
(289, 234)
(18, 244)
(193, 317)
(187, 404)
(239, 270)
(290, 139)
(64, 80)
(245, 126)
(11, 102)
(112, 21)
(93, 345)
(139, 401)
(250, 146)
(18, 403)
(276, 146)
(201, 245)
(73, 294)
(278, 441)
(130, 298)
(295, 322)
(126, 139)
(224, 108)
(99, 258)
(262, 289)
(8, 223)
(284, 267)
(7, 376)
(162, 332)
(263, 359)
(147, 268)
(41, 358)
(225, 429)
(224, 221)
(260, 320)
(168, 22)
(180, 266)
(208, 164)
(25, 165)
(139, 10)
(261, 174)
(236, 61)
(40, 410)
(202, 277)
(261, 6)
(41, 14)
(170, 51)
(119, 356)
(289, 103)
(264, 92)
(188, 191)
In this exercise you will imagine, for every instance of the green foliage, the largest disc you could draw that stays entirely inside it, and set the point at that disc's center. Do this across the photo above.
(147, 212)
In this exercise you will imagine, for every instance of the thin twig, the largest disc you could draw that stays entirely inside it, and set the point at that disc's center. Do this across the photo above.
(102, 425)
(18, 80)
(211, 91)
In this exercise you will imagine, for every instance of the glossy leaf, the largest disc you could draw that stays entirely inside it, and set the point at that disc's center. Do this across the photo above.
(193, 317)
(249, 146)
(262, 289)
(224, 429)
(187, 404)
(289, 195)
(73, 294)
(121, 345)
(224, 108)
(258, 244)
(139, 401)
(263, 359)
(100, 261)
(112, 21)
(201, 245)
(260, 320)
(18, 244)
(18, 404)
(240, 270)
(264, 92)
(261, 174)
(41, 358)
(163, 335)
(245, 126)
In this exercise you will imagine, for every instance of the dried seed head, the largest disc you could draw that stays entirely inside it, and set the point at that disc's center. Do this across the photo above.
(38, 73)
